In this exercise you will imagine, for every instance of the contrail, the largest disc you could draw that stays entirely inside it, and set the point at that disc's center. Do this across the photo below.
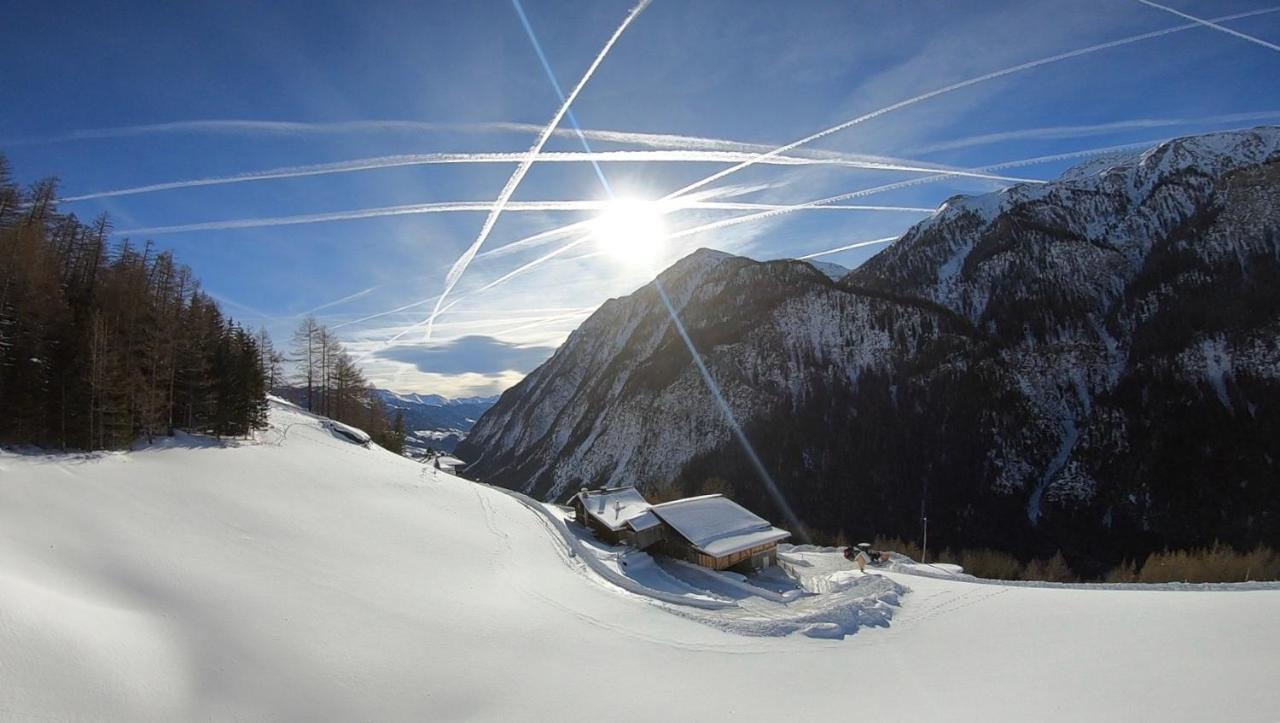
(736, 220)
(569, 229)
(531, 265)
(858, 245)
(578, 242)
(336, 302)
(543, 322)
(469, 206)
(715, 225)
(724, 223)
(422, 159)
(668, 141)
(1064, 132)
(361, 320)
(401, 334)
(953, 87)
(770, 486)
(463, 261)
(1211, 24)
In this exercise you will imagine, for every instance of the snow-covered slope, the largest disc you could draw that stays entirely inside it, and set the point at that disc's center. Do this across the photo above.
(306, 578)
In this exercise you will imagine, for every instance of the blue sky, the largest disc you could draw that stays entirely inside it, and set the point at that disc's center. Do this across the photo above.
(112, 97)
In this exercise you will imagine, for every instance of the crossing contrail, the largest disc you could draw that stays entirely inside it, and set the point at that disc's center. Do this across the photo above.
(423, 159)
(771, 213)
(666, 141)
(957, 86)
(380, 314)
(460, 266)
(569, 229)
(1081, 131)
(857, 245)
(862, 193)
(469, 207)
(715, 225)
(1211, 24)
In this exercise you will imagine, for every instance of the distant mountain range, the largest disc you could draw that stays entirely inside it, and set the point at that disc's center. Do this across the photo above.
(1091, 365)
(433, 421)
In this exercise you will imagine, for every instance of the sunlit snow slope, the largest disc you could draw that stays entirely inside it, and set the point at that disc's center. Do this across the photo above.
(307, 578)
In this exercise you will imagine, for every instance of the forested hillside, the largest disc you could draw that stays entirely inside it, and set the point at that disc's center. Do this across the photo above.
(103, 343)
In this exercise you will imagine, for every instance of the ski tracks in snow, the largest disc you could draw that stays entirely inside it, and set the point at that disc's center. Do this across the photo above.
(943, 603)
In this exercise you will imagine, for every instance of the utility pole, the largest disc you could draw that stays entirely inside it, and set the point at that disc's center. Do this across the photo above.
(924, 520)
(924, 549)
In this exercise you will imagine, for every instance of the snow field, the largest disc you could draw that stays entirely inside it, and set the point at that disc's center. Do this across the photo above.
(307, 578)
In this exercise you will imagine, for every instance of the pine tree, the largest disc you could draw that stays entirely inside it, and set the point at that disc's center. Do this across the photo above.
(102, 346)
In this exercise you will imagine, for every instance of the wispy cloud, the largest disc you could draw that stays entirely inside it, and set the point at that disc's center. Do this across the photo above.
(477, 354)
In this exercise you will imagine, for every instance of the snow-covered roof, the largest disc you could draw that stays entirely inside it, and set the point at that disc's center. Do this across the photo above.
(644, 521)
(346, 430)
(447, 461)
(614, 507)
(717, 525)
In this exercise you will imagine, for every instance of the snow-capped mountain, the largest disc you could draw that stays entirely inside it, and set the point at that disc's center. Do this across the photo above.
(1091, 364)
(434, 421)
(834, 271)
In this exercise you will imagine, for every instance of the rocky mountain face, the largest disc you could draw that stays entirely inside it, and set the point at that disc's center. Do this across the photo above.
(1091, 365)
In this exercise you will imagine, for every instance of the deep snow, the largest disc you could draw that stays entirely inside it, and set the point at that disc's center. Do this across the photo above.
(306, 578)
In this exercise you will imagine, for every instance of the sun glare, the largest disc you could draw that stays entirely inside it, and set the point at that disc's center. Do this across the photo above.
(632, 232)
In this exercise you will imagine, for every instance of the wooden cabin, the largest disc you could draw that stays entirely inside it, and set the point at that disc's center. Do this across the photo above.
(716, 532)
(712, 531)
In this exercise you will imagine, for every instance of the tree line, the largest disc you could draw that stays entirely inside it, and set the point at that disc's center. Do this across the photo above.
(329, 382)
(102, 344)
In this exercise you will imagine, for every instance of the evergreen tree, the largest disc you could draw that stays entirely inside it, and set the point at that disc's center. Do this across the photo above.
(101, 346)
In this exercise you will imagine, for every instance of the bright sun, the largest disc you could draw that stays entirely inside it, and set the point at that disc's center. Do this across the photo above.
(632, 232)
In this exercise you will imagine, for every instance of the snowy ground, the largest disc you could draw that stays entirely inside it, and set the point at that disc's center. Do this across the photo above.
(307, 578)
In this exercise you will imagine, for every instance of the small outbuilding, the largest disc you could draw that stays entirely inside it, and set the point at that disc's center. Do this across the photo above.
(716, 532)
(607, 511)
(445, 463)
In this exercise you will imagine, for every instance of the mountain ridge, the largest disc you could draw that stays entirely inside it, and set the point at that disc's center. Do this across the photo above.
(1060, 364)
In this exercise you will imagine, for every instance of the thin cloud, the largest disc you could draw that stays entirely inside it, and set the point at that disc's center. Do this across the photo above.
(477, 354)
